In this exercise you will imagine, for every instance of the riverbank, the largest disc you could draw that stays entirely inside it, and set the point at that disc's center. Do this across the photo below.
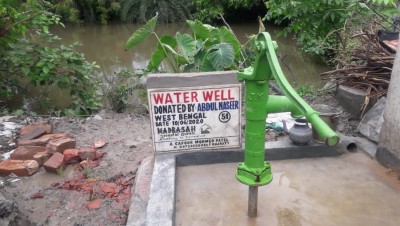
(42, 199)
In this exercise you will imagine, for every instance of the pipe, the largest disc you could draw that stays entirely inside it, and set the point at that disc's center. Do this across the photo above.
(252, 202)
(277, 104)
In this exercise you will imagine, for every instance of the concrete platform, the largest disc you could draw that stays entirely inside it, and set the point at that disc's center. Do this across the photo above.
(346, 190)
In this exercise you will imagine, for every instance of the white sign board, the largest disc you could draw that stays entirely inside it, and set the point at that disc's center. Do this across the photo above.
(204, 117)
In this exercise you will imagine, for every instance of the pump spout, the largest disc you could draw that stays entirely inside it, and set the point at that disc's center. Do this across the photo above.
(330, 137)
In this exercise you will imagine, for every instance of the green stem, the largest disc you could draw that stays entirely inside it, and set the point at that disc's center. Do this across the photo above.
(176, 69)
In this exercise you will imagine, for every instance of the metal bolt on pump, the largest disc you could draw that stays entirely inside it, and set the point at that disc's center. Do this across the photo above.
(255, 171)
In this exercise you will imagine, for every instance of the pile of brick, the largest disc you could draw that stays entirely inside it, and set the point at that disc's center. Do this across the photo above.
(38, 145)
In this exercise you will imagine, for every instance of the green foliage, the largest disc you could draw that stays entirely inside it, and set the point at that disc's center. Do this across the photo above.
(318, 26)
(18, 16)
(306, 90)
(31, 63)
(142, 33)
(79, 11)
(210, 10)
(117, 88)
(141, 11)
(220, 56)
(207, 49)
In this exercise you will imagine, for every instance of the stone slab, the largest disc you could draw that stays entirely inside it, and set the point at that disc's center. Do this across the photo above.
(161, 205)
(140, 193)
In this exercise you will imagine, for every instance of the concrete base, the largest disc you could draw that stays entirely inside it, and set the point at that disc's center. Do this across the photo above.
(346, 190)
(352, 99)
(388, 158)
(161, 205)
(140, 193)
(307, 187)
(363, 144)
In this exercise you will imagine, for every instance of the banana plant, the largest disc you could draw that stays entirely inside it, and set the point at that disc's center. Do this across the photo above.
(207, 49)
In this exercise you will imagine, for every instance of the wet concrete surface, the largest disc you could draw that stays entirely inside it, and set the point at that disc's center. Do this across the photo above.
(348, 190)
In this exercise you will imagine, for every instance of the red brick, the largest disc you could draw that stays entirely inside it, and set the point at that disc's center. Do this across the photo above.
(54, 136)
(95, 204)
(26, 152)
(88, 163)
(60, 145)
(71, 156)
(54, 163)
(35, 133)
(18, 167)
(41, 157)
(87, 153)
(99, 143)
(37, 195)
(99, 154)
(29, 128)
(43, 140)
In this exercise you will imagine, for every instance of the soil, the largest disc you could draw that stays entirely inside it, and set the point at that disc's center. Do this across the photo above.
(68, 199)
(101, 195)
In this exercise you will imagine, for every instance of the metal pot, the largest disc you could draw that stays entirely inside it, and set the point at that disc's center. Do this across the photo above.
(300, 133)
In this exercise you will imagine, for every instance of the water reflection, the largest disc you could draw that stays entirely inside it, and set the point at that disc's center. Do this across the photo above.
(105, 45)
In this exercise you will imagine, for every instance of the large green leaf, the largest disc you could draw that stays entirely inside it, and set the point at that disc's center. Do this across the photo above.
(206, 65)
(179, 58)
(214, 37)
(186, 45)
(156, 58)
(167, 39)
(142, 33)
(227, 36)
(199, 30)
(214, 34)
(221, 56)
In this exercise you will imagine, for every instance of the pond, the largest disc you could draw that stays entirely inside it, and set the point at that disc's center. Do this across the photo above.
(105, 45)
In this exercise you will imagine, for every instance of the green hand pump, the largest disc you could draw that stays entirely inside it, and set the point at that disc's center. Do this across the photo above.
(255, 171)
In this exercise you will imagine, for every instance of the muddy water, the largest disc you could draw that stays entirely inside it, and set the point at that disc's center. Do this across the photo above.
(105, 45)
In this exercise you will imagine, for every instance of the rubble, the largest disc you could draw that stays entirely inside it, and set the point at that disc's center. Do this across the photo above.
(26, 152)
(87, 153)
(71, 156)
(35, 133)
(41, 196)
(41, 157)
(20, 168)
(38, 146)
(32, 127)
(43, 140)
(59, 145)
(99, 144)
(55, 163)
(95, 204)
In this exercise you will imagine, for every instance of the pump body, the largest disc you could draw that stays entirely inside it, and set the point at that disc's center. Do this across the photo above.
(255, 171)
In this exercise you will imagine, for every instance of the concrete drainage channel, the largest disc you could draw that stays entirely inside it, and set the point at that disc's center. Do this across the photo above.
(160, 210)
(312, 185)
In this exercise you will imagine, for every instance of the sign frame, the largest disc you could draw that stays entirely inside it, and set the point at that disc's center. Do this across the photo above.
(238, 134)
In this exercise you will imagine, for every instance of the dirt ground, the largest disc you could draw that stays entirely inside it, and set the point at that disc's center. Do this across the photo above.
(51, 199)
(43, 200)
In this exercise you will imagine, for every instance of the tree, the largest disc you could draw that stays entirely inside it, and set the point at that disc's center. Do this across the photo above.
(142, 11)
